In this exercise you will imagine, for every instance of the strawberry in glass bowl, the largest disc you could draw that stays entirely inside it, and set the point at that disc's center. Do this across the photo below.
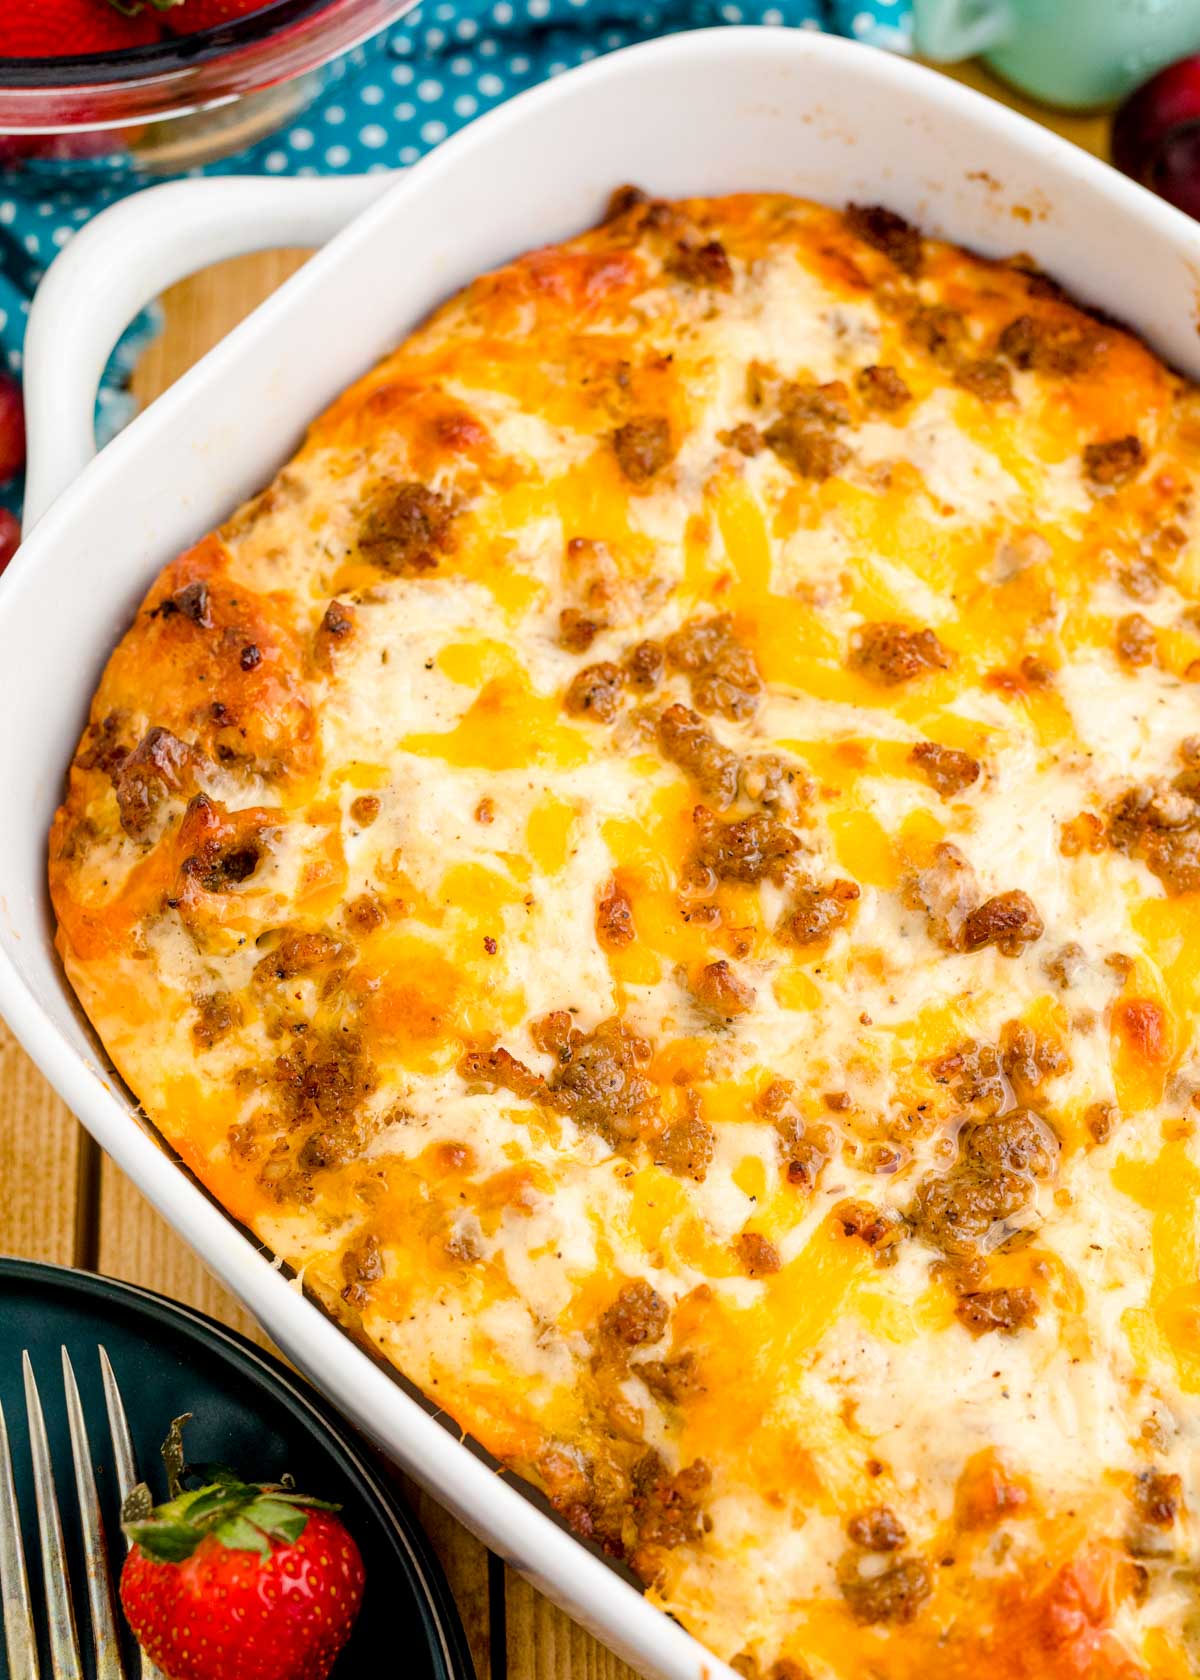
(156, 86)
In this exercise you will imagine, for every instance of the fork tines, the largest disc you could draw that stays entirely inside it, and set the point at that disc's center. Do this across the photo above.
(20, 1638)
(19, 1641)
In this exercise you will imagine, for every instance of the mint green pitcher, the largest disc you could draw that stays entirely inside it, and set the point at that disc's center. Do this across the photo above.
(1078, 54)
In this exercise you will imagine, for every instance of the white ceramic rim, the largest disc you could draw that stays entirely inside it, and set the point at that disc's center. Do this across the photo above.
(515, 1526)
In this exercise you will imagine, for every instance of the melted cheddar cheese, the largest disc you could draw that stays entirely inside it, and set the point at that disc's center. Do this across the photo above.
(658, 867)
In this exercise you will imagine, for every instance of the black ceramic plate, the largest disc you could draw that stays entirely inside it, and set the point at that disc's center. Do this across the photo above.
(249, 1411)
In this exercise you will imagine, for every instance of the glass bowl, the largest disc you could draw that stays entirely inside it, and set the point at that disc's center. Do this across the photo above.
(184, 100)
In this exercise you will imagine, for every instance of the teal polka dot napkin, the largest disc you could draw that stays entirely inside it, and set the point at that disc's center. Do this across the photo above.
(383, 107)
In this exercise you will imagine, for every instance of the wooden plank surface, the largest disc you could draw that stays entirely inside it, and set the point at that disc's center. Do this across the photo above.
(59, 1202)
(40, 1165)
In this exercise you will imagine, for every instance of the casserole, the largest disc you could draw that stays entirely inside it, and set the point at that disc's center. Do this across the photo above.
(763, 81)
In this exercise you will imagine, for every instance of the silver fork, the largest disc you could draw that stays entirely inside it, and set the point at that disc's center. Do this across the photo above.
(19, 1635)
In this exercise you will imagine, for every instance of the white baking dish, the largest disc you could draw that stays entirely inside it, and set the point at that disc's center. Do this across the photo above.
(719, 110)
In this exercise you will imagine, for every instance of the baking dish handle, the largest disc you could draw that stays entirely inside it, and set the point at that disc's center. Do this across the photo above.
(124, 258)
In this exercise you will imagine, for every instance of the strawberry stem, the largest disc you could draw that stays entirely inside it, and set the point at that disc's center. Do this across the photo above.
(243, 1516)
(174, 1461)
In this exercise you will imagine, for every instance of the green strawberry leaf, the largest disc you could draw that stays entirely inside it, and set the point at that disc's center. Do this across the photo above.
(176, 1510)
(219, 1501)
(242, 1536)
(165, 1542)
(277, 1518)
(139, 1504)
(303, 1499)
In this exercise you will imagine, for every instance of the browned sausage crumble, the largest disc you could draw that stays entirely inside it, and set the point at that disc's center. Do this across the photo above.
(887, 232)
(1009, 1310)
(877, 1529)
(817, 912)
(947, 770)
(895, 653)
(1114, 462)
(1009, 921)
(406, 528)
(882, 389)
(643, 448)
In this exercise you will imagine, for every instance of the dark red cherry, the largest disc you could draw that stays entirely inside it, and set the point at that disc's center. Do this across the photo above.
(12, 428)
(10, 536)
(1156, 135)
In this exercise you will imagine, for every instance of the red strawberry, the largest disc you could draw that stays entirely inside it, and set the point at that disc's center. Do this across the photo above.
(187, 16)
(54, 28)
(238, 1578)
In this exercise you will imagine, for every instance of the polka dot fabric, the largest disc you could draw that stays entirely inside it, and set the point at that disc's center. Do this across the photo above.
(383, 107)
